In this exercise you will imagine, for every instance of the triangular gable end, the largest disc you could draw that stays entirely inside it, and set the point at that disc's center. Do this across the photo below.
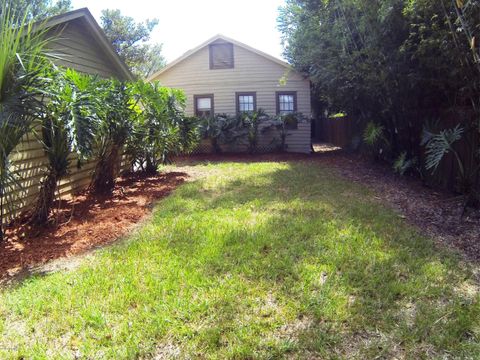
(97, 33)
(219, 39)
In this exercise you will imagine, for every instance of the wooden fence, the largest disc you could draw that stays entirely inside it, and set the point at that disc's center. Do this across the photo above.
(335, 130)
(341, 131)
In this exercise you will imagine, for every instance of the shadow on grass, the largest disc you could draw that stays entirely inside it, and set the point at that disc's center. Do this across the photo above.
(368, 284)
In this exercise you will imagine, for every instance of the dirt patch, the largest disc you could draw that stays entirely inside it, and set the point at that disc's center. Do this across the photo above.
(83, 222)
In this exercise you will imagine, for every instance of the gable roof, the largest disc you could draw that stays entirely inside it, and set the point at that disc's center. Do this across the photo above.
(212, 40)
(95, 30)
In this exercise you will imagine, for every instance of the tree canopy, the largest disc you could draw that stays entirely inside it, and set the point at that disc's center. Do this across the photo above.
(131, 41)
(39, 9)
(391, 64)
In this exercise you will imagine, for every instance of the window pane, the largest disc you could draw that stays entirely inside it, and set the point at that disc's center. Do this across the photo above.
(204, 103)
(286, 103)
(246, 103)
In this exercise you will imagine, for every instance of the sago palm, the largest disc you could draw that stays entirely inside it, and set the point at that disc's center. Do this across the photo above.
(22, 61)
(69, 122)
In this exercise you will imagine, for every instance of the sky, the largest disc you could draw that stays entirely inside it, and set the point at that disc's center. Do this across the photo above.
(185, 24)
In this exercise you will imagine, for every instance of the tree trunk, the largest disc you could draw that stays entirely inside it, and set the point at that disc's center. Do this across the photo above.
(151, 167)
(106, 171)
(45, 199)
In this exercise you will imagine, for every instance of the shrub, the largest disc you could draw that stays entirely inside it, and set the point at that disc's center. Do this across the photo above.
(22, 61)
(69, 123)
(221, 129)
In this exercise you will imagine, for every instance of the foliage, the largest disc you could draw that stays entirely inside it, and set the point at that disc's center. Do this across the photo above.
(285, 122)
(189, 133)
(69, 124)
(373, 136)
(403, 164)
(161, 129)
(255, 260)
(130, 41)
(253, 123)
(117, 112)
(36, 10)
(220, 129)
(393, 60)
(22, 61)
(438, 145)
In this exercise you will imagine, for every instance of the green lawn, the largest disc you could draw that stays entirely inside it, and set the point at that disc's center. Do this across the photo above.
(258, 260)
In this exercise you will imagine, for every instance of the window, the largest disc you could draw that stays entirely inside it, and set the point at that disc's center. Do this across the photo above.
(286, 102)
(221, 56)
(203, 105)
(246, 101)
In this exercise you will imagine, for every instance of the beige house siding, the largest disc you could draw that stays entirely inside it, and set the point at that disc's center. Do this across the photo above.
(252, 72)
(73, 46)
(76, 48)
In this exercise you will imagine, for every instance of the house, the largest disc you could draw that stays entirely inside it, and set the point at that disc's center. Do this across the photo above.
(223, 75)
(77, 42)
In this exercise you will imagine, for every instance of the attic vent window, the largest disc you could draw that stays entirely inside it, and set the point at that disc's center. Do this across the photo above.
(221, 56)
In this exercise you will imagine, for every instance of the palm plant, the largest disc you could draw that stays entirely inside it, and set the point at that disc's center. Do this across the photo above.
(189, 132)
(285, 122)
(374, 138)
(220, 129)
(22, 61)
(164, 129)
(116, 112)
(68, 125)
(252, 122)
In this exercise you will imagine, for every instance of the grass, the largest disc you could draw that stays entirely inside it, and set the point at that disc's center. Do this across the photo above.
(258, 260)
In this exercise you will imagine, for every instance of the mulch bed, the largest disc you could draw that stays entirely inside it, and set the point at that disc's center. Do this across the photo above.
(83, 222)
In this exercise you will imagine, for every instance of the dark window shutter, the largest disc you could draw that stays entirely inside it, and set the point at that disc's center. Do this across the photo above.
(221, 56)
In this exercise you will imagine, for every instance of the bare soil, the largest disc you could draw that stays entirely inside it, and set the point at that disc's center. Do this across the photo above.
(82, 223)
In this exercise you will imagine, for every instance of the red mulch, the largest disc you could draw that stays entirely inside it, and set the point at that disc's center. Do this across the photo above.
(83, 222)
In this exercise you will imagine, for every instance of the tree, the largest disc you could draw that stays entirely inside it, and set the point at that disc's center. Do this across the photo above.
(39, 9)
(130, 40)
(390, 65)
